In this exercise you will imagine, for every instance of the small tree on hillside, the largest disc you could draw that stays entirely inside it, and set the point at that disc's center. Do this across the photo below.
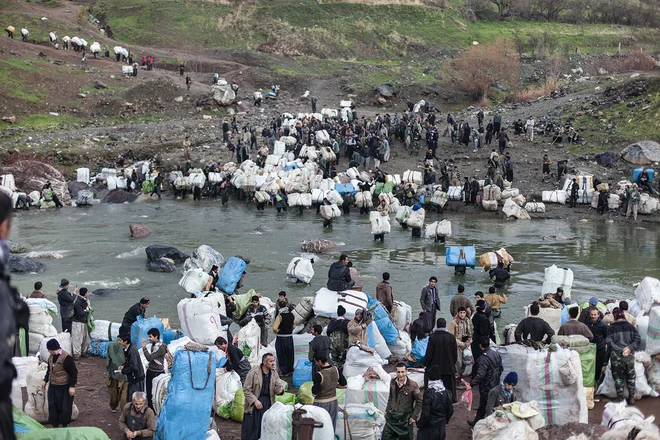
(478, 68)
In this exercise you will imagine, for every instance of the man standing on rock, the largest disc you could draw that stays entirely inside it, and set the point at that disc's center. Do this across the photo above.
(66, 300)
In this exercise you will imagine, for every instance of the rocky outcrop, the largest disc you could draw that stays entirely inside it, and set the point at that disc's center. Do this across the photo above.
(161, 265)
(156, 252)
(107, 292)
(317, 246)
(76, 187)
(139, 231)
(23, 265)
(32, 175)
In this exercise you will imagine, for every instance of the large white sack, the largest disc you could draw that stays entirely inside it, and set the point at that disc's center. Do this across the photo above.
(249, 341)
(512, 209)
(372, 391)
(550, 315)
(363, 199)
(492, 192)
(441, 228)
(647, 293)
(653, 331)
(301, 346)
(402, 347)
(279, 148)
(279, 416)
(104, 330)
(379, 343)
(535, 207)
(194, 280)
(226, 385)
(65, 342)
(510, 193)
(642, 387)
(159, 391)
(492, 429)
(412, 177)
(301, 269)
(200, 319)
(556, 196)
(82, 175)
(489, 205)
(178, 344)
(24, 366)
(403, 319)
(358, 361)
(557, 277)
(35, 342)
(37, 404)
(329, 212)
(326, 302)
(380, 224)
(362, 421)
(455, 193)
(643, 329)
(204, 258)
(416, 218)
(621, 416)
(439, 198)
(41, 319)
(647, 204)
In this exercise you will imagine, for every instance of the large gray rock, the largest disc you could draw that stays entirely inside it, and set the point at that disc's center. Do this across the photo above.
(107, 292)
(156, 252)
(160, 266)
(76, 187)
(119, 196)
(385, 91)
(223, 94)
(23, 265)
(642, 153)
(32, 175)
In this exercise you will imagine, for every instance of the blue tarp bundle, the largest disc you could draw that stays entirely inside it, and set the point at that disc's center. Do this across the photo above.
(140, 328)
(344, 189)
(638, 171)
(99, 348)
(382, 319)
(419, 349)
(187, 408)
(302, 372)
(231, 275)
(464, 256)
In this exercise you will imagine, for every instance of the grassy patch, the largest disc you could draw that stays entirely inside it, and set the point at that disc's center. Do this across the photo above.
(13, 83)
(43, 122)
(39, 29)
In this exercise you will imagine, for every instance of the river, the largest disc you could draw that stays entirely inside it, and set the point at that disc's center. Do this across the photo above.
(606, 258)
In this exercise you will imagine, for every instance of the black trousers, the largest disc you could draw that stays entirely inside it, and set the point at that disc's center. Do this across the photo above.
(150, 378)
(483, 401)
(438, 432)
(6, 417)
(60, 405)
(66, 324)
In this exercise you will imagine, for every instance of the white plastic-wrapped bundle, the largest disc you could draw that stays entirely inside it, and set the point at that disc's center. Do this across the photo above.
(41, 317)
(511, 192)
(359, 361)
(489, 205)
(535, 207)
(200, 319)
(403, 345)
(194, 280)
(105, 330)
(439, 198)
(249, 341)
(197, 179)
(556, 196)
(363, 199)
(280, 415)
(455, 193)
(226, 385)
(362, 421)
(557, 277)
(95, 47)
(329, 212)
(416, 218)
(301, 269)
(511, 209)
(647, 293)
(412, 177)
(440, 228)
(380, 224)
(326, 302)
(492, 192)
(374, 391)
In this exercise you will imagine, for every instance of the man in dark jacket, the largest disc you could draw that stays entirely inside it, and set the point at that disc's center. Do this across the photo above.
(442, 351)
(80, 340)
(319, 346)
(599, 330)
(430, 301)
(66, 300)
(131, 316)
(14, 314)
(337, 331)
(502, 394)
(623, 339)
(485, 373)
(533, 327)
(437, 408)
(460, 300)
(480, 328)
(236, 361)
(339, 276)
(132, 368)
(403, 406)
(499, 275)
(419, 328)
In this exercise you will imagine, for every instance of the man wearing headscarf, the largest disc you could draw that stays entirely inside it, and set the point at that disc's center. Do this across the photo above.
(505, 393)
(437, 408)
(357, 329)
(283, 329)
(62, 375)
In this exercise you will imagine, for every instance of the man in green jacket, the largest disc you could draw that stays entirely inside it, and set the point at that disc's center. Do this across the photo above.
(633, 201)
(403, 406)
(117, 383)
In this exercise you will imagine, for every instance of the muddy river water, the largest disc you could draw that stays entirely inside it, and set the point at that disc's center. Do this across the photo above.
(606, 258)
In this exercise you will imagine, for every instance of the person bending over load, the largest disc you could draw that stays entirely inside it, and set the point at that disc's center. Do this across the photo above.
(533, 328)
(339, 275)
(136, 310)
(48, 194)
(236, 361)
(261, 316)
(503, 394)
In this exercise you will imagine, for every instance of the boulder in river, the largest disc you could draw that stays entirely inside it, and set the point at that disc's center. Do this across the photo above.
(157, 251)
(76, 187)
(107, 292)
(139, 231)
(23, 265)
(119, 196)
(17, 248)
(32, 175)
(161, 265)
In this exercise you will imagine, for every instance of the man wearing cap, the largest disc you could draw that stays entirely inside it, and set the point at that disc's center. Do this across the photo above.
(623, 339)
(587, 307)
(559, 296)
(66, 300)
(357, 329)
(62, 375)
(502, 394)
(131, 316)
(437, 408)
